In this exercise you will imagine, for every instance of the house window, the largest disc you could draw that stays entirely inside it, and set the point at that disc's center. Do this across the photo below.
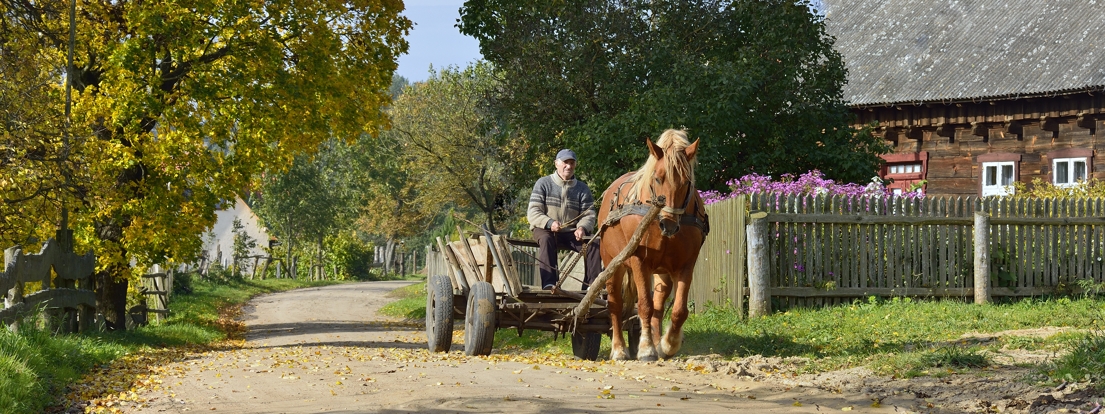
(1068, 171)
(998, 177)
(905, 171)
(904, 168)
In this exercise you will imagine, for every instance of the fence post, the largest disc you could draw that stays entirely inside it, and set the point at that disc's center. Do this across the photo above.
(14, 295)
(759, 303)
(982, 257)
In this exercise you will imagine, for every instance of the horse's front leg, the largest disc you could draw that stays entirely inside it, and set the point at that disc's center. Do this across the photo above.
(646, 351)
(661, 288)
(614, 305)
(673, 338)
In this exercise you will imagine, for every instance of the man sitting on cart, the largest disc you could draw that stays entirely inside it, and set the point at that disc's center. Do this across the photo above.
(561, 214)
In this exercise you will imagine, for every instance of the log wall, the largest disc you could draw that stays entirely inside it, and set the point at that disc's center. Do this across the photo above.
(955, 134)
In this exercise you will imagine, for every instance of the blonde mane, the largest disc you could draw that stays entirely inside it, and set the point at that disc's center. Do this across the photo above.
(677, 167)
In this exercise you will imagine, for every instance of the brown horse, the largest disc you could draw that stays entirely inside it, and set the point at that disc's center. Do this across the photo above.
(667, 250)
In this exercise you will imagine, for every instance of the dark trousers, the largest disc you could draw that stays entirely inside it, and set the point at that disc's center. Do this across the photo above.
(549, 242)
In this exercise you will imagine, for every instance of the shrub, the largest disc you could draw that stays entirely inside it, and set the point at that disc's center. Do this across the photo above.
(351, 255)
(1044, 189)
(810, 183)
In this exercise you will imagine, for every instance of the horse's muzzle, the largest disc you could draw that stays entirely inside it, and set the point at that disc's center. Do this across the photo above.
(669, 228)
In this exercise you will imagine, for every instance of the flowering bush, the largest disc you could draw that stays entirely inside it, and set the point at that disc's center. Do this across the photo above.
(1044, 189)
(810, 183)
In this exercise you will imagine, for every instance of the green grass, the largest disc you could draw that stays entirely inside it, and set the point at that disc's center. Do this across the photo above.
(410, 302)
(36, 367)
(898, 337)
(901, 330)
(1085, 362)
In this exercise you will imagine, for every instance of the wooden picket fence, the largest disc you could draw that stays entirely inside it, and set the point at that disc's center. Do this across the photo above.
(719, 274)
(829, 250)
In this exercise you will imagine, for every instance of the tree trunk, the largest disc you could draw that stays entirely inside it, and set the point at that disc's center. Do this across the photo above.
(389, 250)
(290, 263)
(490, 221)
(111, 298)
(321, 259)
(111, 282)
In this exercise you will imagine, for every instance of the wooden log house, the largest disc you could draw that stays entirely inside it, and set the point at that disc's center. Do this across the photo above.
(975, 94)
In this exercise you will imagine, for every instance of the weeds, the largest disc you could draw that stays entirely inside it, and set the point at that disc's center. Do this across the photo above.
(1084, 362)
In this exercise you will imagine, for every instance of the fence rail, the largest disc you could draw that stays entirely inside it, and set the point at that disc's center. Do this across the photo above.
(67, 298)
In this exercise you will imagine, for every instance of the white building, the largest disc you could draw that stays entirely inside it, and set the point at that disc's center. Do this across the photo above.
(218, 243)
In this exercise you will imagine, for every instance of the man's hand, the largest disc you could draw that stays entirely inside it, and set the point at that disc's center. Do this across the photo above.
(555, 226)
(580, 232)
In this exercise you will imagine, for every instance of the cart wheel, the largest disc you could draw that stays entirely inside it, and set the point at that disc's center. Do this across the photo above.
(439, 313)
(479, 320)
(586, 345)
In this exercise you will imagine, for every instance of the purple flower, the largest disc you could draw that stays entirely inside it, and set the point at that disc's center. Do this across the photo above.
(810, 183)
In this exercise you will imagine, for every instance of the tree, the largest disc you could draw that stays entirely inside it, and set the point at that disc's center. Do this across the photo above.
(243, 245)
(38, 172)
(461, 152)
(757, 81)
(182, 104)
(309, 201)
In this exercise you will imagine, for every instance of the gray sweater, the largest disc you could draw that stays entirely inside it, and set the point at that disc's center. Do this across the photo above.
(554, 199)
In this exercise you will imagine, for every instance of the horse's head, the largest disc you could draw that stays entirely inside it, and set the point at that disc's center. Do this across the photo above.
(672, 176)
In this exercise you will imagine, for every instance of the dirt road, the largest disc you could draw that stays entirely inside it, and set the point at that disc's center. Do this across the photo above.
(327, 350)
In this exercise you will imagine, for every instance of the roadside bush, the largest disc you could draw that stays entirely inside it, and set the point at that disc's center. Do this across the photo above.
(351, 255)
(182, 283)
(1045, 189)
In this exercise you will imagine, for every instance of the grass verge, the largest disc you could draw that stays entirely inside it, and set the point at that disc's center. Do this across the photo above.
(410, 302)
(36, 367)
(898, 337)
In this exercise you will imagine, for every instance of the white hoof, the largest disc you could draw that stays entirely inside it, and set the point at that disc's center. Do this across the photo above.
(668, 347)
(619, 355)
(646, 353)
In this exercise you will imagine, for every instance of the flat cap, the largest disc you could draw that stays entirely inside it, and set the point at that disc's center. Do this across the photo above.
(566, 154)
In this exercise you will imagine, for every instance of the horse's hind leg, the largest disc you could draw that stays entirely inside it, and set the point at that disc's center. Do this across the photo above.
(614, 305)
(673, 338)
(646, 351)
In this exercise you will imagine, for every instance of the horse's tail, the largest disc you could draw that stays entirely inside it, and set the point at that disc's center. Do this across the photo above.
(629, 296)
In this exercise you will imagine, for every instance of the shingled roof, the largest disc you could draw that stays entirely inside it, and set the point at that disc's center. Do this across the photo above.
(915, 51)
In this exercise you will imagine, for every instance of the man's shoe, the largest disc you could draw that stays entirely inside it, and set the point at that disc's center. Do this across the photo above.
(549, 287)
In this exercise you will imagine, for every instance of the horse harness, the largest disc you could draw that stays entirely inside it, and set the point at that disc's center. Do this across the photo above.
(636, 207)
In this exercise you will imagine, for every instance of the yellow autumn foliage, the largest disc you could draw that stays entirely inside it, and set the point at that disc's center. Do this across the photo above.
(177, 105)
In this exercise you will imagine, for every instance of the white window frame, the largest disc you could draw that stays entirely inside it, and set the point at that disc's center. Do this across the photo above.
(1069, 180)
(904, 168)
(997, 189)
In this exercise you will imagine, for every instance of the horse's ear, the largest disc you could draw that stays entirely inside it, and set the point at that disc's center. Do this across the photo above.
(691, 150)
(655, 150)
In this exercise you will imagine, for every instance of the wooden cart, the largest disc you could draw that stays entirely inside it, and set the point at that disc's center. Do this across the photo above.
(483, 287)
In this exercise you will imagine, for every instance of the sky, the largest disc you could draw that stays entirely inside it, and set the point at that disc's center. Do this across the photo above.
(434, 40)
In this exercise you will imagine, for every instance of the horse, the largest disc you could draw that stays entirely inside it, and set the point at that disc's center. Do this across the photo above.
(667, 251)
